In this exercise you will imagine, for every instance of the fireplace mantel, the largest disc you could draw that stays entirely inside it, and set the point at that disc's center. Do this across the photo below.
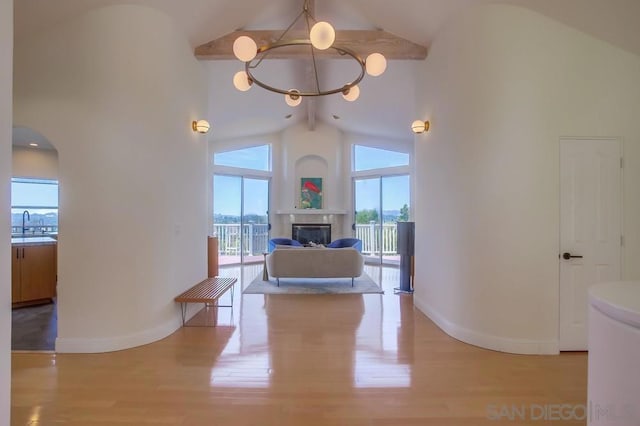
(339, 219)
(311, 211)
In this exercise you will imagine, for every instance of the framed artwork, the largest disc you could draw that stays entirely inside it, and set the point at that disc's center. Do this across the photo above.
(311, 193)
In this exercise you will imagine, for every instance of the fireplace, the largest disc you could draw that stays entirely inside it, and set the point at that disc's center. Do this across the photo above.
(319, 233)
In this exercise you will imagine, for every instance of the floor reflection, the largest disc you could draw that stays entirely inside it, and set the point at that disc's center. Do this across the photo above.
(323, 341)
(317, 360)
(356, 340)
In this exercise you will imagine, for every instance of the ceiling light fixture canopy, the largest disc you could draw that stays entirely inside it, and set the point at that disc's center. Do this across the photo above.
(322, 36)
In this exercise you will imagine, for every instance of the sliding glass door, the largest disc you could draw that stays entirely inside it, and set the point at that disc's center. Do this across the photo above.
(395, 200)
(380, 202)
(255, 219)
(367, 216)
(240, 217)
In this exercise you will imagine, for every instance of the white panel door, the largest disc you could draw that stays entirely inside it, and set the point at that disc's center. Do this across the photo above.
(590, 229)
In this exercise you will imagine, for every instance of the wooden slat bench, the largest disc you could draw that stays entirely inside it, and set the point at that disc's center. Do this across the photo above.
(207, 292)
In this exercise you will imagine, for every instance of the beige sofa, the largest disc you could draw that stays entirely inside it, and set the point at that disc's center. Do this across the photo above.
(313, 262)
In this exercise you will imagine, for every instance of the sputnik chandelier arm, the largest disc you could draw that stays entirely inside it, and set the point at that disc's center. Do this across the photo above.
(343, 51)
(313, 53)
(321, 37)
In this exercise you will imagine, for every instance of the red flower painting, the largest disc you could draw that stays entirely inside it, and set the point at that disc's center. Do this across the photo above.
(311, 193)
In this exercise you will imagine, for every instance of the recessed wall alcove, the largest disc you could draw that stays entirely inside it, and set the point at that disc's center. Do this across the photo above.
(322, 153)
(313, 166)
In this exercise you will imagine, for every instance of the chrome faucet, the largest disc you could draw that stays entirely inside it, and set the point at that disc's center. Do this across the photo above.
(24, 228)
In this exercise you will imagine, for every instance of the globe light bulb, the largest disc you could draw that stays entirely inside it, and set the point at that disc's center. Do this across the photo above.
(419, 126)
(322, 35)
(376, 64)
(241, 81)
(245, 48)
(351, 94)
(200, 126)
(292, 98)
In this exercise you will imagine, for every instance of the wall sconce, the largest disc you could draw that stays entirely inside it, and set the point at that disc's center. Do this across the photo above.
(420, 126)
(200, 126)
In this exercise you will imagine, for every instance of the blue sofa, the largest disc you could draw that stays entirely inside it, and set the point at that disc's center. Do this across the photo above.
(282, 242)
(346, 242)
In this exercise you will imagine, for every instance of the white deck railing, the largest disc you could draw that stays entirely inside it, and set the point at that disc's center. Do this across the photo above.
(256, 238)
(373, 242)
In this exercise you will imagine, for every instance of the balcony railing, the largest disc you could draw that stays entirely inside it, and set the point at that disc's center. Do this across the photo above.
(256, 237)
(373, 242)
(34, 229)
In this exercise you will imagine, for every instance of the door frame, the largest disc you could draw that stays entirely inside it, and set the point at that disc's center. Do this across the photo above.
(620, 142)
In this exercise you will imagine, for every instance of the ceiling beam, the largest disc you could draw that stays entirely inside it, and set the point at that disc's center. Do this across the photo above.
(311, 113)
(363, 42)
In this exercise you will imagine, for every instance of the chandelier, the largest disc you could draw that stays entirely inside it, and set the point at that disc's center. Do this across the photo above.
(321, 37)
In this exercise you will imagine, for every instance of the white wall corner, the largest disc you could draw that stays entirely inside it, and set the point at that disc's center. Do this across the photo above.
(6, 119)
(117, 343)
(487, 341)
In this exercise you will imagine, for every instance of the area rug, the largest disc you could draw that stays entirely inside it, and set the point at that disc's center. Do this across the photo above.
(362, 284)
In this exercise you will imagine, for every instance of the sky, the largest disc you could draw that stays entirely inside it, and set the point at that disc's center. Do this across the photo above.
(227, 193)
(227, 190)
(395, 193)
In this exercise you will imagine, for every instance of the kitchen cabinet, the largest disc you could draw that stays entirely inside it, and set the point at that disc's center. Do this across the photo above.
(33, 273)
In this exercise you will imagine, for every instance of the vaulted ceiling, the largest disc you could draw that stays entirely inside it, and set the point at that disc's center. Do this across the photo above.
(386, 105)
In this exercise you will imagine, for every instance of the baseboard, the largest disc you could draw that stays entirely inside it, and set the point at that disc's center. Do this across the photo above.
(117, 343)
(487, 341)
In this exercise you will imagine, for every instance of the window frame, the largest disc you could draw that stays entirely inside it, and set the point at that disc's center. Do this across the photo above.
(374, 171)
(56, 208)
(225, 169)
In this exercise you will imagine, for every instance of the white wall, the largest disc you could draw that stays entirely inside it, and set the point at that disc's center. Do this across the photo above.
(115, 91)
(298, 143)
(309, 153)
(501, 85)
(6, 59)
(34, 163)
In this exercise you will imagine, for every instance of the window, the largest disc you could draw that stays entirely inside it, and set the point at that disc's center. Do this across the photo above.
(367, 158)
(241, 182)
(39, 197)
(255, 158)
(382, 197)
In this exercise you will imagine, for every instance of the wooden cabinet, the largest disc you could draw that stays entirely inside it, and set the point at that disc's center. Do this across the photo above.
(33, 273)
(15, 274)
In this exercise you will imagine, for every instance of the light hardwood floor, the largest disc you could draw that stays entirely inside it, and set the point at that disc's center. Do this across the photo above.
(300, 360)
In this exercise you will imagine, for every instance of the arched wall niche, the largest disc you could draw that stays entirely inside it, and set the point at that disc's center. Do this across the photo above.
(39, 162)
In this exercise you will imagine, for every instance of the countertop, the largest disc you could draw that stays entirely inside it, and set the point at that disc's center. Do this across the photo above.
(33, 241)
(619, 300)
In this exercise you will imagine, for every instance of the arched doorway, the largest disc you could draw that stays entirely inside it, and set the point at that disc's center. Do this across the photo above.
(34, 234)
